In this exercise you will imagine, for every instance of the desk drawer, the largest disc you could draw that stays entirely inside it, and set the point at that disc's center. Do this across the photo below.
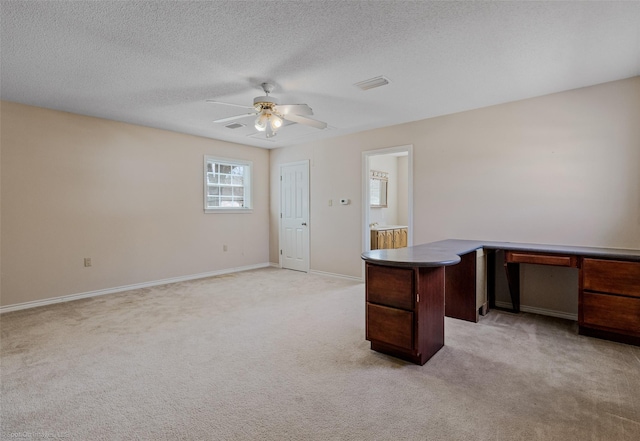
(541, 258)
(612, 312)
(390, 325)
(611, 276)
(390, 286)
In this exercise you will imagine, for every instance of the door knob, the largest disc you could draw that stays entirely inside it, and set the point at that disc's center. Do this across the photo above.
(304, 223)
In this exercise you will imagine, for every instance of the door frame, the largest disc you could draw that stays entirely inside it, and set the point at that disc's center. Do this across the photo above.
(366, 236)
(280, 235)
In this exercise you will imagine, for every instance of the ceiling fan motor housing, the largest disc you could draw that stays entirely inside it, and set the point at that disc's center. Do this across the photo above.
(264, 102)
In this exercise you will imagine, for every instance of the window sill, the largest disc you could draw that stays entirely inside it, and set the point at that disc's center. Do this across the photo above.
(228, 210)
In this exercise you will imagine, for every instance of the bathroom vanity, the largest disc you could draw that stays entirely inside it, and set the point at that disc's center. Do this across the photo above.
(385, 237)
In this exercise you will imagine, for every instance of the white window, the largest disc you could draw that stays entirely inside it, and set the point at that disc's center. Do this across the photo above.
(227, 185)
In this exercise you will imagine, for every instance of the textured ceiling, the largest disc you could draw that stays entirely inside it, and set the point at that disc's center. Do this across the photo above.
(154, 63)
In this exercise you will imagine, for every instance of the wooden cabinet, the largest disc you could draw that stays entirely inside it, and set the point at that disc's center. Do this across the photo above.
(400, 237)
(609, 302)
(405, 311)
(389, 238)
(381, 240)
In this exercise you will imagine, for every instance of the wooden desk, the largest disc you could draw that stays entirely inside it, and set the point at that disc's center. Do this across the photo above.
(608, 296)
(404, 322)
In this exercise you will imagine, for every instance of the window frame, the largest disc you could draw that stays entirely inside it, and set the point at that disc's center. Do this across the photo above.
(247, 179)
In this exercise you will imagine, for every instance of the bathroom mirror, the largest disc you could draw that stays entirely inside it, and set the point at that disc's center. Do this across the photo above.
(378, 181)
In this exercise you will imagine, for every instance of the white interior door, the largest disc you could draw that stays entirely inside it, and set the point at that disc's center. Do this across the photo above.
(294, 216)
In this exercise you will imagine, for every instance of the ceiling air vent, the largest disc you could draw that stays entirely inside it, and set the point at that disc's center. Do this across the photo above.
(235, 126)
(372, 83)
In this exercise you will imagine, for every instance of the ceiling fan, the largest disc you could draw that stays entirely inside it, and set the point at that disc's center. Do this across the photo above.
(271, 115)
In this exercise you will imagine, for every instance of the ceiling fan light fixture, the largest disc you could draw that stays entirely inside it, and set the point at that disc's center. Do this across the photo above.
(276, 122)
(261, 122)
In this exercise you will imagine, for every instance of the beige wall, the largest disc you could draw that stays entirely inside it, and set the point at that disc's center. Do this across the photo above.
(129, 197)
(562, 168)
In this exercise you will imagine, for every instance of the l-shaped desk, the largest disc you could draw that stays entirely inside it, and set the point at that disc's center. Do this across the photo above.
(410, 290)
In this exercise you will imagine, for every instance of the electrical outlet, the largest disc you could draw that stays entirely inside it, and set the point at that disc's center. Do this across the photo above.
(87, 262)
(224, 248)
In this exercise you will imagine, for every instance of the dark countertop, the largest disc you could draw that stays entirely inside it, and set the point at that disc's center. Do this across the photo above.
(447, 252)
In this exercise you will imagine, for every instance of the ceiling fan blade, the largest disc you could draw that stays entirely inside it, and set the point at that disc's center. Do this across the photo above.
(307, 121)
(298, 109)
(228, 104)
(231, 118)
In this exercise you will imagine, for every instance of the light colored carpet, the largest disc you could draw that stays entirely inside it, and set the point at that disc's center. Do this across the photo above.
(279, 355)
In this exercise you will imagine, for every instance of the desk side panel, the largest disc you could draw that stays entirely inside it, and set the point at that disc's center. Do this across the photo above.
(460, 289)
(430, 323)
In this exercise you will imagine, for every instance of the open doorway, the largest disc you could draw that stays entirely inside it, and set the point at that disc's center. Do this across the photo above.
(387, 186)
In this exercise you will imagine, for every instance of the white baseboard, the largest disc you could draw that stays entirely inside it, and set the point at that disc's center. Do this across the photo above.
(340, 276)
(323, 273)
(541, 311)
(101, 292)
